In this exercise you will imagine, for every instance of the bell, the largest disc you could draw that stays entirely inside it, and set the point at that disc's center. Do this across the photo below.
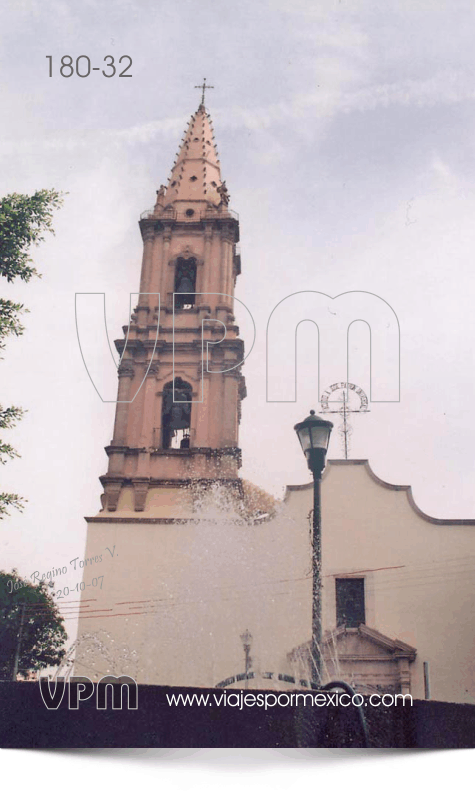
(179, 419)
(185, 286)
(180, 424)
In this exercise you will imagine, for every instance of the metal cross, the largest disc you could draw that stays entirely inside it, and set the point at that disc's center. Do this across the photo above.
(345, 429)
(203, 88)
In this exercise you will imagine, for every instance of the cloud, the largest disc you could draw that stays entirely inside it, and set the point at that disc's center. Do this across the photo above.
(446, 87)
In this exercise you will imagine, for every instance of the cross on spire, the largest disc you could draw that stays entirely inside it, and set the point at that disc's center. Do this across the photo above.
(203, 87)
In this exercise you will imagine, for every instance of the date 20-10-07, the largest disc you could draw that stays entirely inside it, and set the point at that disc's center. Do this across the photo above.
(80, 586)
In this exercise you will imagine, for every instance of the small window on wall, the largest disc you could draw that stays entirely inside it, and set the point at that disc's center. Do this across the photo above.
(350, 605)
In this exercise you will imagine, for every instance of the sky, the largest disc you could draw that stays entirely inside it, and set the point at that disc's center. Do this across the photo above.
(346, 138)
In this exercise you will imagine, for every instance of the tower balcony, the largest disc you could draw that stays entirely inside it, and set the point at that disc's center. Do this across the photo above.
(189, 215)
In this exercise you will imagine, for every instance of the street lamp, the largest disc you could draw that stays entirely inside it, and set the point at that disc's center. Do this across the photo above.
(246, 640)
(314, 437)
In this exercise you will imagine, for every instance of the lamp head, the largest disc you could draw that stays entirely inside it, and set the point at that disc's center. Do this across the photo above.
(314, 437)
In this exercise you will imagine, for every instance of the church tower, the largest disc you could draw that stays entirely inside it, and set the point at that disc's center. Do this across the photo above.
(175, 436)
(180, 390)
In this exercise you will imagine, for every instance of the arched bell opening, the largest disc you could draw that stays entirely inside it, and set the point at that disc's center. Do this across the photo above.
(185, 283)
(176, 415)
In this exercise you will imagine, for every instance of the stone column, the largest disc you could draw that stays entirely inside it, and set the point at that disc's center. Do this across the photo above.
(115, 475)
(226, 266)
(222, 264)
(206, 263)
(146, 431)
(229, 275)
(230, 410)
(202, 417)
(148, 237)
(164, 283)
(126, 374)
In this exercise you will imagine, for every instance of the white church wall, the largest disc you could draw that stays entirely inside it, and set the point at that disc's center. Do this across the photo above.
(178, 596)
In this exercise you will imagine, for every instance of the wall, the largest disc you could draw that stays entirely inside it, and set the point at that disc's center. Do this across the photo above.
(177, 597)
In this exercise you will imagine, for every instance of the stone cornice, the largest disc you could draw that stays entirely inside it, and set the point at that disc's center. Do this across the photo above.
(209, 452)
(110, 519)
(176, 483)
(125, 371)
(225, 224)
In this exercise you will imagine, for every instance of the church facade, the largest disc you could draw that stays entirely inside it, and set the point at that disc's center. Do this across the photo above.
(397, 587)
(202, 587)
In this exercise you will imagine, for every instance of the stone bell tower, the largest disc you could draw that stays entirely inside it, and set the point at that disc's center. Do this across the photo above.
(180, 391)
(157, 554)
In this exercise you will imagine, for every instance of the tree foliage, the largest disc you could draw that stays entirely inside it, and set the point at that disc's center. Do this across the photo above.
(42, 633)
(24, 220)
(9, 320)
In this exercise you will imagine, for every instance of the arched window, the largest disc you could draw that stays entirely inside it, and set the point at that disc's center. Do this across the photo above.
(176, 416)
(185, 283)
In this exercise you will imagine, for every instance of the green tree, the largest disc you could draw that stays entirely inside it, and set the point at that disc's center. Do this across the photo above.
(23, 223)
(30, 626)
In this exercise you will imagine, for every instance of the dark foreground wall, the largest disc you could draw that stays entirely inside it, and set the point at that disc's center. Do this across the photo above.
(25, 722)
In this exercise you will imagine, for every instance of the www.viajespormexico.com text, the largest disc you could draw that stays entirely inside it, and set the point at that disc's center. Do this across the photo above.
(266, 700)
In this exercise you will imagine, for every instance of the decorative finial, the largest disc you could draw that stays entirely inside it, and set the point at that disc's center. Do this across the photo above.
(312, 412)
(203, 87)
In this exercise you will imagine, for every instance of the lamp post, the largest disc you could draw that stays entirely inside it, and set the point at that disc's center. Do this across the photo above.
(314, 437)
(246, 640)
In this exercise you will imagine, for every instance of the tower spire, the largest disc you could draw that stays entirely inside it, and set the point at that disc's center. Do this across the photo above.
(196, 173)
